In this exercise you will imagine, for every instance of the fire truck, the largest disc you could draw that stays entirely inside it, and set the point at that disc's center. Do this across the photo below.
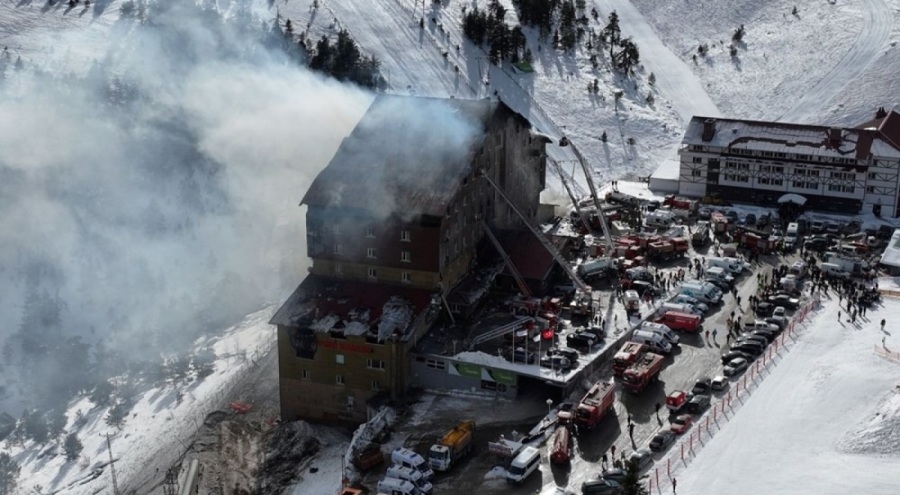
(594, 404)
(642, 373)
(627, 355)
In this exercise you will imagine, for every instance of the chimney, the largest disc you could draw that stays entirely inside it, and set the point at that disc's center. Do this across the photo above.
(834, 137)
(709, 129)
(881, 113)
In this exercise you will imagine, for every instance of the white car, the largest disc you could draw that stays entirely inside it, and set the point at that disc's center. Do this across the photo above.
(686, 299)
(735, 366)
(719, 383)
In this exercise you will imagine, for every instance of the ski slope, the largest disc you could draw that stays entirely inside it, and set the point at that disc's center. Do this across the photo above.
(878, 20)
(673, 77)
(825, 421)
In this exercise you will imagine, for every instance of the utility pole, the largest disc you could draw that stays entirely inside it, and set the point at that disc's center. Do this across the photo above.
(112, 466)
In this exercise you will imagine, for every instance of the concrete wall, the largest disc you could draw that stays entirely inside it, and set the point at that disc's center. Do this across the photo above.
(441, 373)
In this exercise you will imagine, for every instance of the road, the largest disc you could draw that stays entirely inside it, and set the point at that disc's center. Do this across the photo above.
(674, 79)
(694, 359)
(878, 20)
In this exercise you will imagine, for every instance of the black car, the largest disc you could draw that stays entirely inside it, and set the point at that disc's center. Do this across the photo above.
(769, 335)
(728, 356)
(662, 441)
(780, 321)
(556, 362)
(521, 355)
(642, 287)
(600, 487)
(784, 300)
(732, 216)
(765, 309)
(614, 474)
(752, 348)
(749, 337)
(704, 213)
(567, 352)
(702, 386)
(721, 284)
(643, 458)
(763, 220)
(582, 340)
(750, 219)
(697, 404)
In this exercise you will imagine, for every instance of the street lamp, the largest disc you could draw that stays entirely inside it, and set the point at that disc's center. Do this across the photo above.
(549, 405)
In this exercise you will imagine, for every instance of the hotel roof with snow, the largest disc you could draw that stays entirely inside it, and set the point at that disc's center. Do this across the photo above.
(877, 138)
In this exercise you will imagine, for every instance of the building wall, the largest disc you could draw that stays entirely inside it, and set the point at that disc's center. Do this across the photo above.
(383, 275)
(334, 378)
(843, 184)
(439, 373)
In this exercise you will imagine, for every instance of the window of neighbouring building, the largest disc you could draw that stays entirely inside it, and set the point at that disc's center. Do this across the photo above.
(436, 364)
(405, 236)
(698, 159)
(373, 273)
(375, 364)
(696, 173)
(370, 252)
(339, 358)
(338, 269)
(305, 375)
(339, 379)
(405, 256)
(841, 188)
(370, 232)
(404, 276)
(375, 385)
(338, 249)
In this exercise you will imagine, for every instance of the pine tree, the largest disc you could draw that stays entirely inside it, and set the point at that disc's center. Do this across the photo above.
(289, 27)
(794, 10)
(9, 474)
(72, 447)
(35, 426)
(651, 80)
(738, 35)
(612, 32)
(101, 396)
(116, 415)
(650, 99)
(56, 422)
(632, 483)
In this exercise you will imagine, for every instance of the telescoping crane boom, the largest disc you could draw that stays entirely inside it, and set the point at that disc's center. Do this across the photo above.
(562, 177)
(580, 284)
(523, 287)
(590, 180)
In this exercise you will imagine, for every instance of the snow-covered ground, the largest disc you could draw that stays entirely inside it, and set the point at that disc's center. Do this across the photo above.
(157, 429)
(825, 419)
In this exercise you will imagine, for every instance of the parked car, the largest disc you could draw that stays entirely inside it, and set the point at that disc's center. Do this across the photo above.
(752, 348)
(582, 340)
(746, 337)
(776, 235)
(732, 216)
(614, 474)
(556, 362)
(720, 383)
(781, 321)
(735, 367)
(567, 352)
(643, 458)
(521, 355)
(642, 287)
(750, 219)
(662, 441)
(783, 300)
(852, 227)
(701, 386)
(768, 335)
(704, 213)
(681, 423)
(728, 356)
(779, 311)
(817, 226)
(764, 309)
(832, 228)
(763, 220)
(698, 404)
(600, 487)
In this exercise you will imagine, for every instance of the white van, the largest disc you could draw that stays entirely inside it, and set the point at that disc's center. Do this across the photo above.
(834, 270)
(406, 457)
(733, 265)
(654, 341)
(395, 486)
(683, 299)
(411, 475)
(678, 308)
(659, 219)
(719, 273)
(702, 291)
(526, 462)
(663, 330)
(791, 234)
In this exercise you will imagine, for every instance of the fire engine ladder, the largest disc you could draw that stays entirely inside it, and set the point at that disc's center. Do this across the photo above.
(580, 284)
(500, 331)
(594, 196)
(562, 177)
(523, 287)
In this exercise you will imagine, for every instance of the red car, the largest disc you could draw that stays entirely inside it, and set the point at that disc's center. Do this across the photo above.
(681, 423)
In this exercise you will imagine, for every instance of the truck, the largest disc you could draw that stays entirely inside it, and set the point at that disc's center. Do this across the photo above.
(685, 322)
(700, 236)
(452, 446)
(685, 204)
(667, 249)
(627, 356)
(369, 457)
(560, 445)
(676, 400)
(597, 268)
(642, 373)
(595, 403)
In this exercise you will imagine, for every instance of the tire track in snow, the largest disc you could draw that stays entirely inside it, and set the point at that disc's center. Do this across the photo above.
(878, 20)
(674, 78)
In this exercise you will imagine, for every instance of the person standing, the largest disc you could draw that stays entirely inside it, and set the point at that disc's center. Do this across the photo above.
(882, 324)
(714, 333)
(674, 484)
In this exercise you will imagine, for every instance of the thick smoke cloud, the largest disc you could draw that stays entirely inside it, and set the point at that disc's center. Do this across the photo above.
(154, 197)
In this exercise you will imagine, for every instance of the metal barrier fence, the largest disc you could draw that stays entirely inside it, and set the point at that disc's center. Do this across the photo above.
(724, 409)
(886, 353)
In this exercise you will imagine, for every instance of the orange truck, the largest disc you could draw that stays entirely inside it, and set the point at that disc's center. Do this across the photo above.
(642, 373)
(560, 445)
(680, 321)
(627, 355)
(595, 403)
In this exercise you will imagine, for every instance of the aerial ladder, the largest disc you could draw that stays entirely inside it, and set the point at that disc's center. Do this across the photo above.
(520, 281)
(580, 284)
(590, 180)
(562, 177)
